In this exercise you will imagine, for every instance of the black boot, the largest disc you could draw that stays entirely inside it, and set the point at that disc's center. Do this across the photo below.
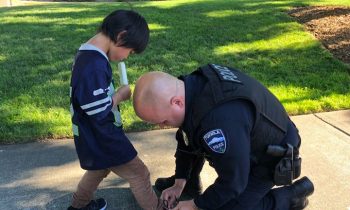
(299, 203)
(192, 188)
(301, 189)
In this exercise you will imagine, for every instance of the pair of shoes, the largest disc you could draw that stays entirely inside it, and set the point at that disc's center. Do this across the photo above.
(192, 189)
(301, 189)
(98, 204)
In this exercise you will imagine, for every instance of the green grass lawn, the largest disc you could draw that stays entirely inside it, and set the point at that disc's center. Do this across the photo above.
(38, 43)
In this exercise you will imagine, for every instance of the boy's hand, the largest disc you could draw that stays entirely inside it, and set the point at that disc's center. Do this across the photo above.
(123, 93)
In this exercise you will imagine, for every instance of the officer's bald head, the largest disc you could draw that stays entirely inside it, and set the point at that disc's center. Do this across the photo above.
(154, 96)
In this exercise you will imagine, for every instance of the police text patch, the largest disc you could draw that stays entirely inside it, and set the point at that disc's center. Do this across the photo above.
(215, 139)
(225, 73)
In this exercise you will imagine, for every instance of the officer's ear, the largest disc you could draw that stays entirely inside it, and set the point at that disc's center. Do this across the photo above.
(177, 101)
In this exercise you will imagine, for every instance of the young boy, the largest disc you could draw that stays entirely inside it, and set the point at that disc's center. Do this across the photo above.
(99, 139)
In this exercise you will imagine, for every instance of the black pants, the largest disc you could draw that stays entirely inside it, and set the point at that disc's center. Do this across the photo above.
(258, 194)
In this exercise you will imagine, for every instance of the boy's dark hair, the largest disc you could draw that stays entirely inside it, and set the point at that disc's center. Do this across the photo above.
(137, 32)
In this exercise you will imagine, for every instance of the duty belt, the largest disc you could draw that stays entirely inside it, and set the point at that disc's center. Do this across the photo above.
(289, 167)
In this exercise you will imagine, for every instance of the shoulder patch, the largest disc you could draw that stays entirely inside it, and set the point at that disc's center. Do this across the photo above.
(216, 141)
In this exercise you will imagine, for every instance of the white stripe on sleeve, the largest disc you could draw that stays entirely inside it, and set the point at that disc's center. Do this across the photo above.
(92, 112)
(96, 103)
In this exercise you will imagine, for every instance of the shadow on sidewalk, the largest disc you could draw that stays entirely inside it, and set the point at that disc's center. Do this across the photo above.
(117, 199)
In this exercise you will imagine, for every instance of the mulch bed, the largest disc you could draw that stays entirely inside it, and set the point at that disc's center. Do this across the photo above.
(329, 24)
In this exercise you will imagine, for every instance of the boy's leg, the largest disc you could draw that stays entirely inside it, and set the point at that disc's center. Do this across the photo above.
(87, 186)
(138, 176)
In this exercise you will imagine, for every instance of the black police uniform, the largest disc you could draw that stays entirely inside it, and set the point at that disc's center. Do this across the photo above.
(230, 119)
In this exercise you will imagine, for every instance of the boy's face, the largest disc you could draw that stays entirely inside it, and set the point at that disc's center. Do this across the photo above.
(118, 53)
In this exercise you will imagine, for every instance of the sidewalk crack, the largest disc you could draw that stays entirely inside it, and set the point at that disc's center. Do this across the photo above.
(336, 127)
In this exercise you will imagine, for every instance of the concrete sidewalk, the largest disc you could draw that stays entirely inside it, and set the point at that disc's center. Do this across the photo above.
(43, 175)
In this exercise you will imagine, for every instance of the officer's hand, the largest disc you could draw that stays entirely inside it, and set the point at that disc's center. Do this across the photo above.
(172, 193)
(123, 93)
(186, 205)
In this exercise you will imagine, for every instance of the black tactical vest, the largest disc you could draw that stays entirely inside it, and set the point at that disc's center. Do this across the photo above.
(225, 84)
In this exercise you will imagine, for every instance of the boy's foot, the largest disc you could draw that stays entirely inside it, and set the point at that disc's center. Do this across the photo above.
(98, 204)
(192, 189)
(164, 205)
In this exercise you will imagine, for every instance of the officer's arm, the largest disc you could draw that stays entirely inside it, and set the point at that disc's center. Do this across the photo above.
(183, 157)
(226, 137)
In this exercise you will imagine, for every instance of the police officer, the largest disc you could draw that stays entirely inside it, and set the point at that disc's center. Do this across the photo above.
(239, 126)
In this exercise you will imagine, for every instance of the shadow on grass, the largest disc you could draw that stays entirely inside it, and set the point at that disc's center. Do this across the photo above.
(38, 44)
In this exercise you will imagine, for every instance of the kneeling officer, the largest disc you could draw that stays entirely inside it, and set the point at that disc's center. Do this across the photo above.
(239, 126)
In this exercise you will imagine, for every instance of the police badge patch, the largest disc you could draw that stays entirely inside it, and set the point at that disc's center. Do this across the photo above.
(215, 139)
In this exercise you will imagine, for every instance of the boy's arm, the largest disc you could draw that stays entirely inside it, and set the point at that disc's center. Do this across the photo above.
(123, 93)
